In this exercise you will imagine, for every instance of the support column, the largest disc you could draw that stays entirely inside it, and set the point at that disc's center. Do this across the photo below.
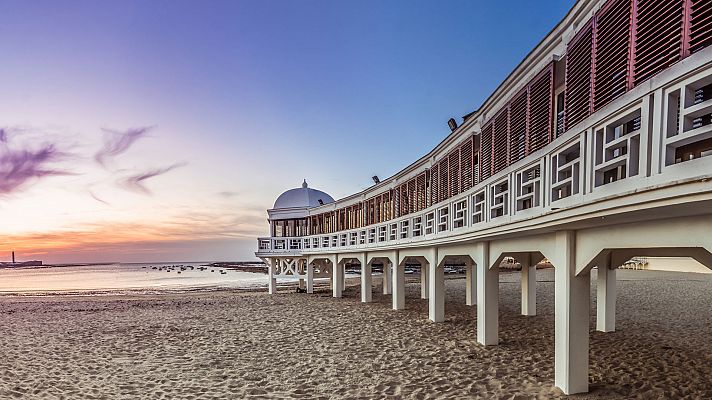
(366, 283)
(398, 287)
(338, 279)
(424, 287)
(606, 299)
(470, 284)
(387, 280)
(487, 297)
(272, 281)
(310, 278)
(528, 289)
(343, 276)
(571, 296)
(436, 283)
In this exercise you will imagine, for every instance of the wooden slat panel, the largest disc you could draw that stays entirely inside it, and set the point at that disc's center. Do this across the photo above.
(434, 185)
(444, 181)
(541, 113)
(579, 62)
(659, 31)
(700, 25)
(410, 196)
(518, 127)
(421, 199)
(500, 152)
(454, 172)
(613, 25)
(466, 165)
(486, 151)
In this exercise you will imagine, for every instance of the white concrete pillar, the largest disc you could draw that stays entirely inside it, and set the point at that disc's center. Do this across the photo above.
(387, 280)
(470, 284)
(310, 278)
(436, 283)
(571, 296)
(487, 297)
(338, 279)
(366, 283)
(343, 276)
(424, 275)
(398, 287)
(272, 281)
(528, 289)
(606, 299)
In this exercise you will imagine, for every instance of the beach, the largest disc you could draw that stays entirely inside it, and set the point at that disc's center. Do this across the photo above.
(236, 344)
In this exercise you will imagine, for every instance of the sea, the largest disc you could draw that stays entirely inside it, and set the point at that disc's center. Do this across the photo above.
(125, 278)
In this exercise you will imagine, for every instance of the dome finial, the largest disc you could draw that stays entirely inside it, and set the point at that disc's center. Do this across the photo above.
(304, 184)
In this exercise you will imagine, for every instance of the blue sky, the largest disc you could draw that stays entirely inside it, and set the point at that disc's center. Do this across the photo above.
(240, 100)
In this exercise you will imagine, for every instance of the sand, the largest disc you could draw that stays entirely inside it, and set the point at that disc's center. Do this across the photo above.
(239, 345)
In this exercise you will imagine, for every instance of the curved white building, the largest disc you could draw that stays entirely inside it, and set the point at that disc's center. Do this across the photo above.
(595, 149)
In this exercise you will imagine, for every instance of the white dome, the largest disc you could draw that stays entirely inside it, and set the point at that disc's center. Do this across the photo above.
(302, 197)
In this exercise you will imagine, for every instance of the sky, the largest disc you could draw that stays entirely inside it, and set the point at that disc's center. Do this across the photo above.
(134, 131)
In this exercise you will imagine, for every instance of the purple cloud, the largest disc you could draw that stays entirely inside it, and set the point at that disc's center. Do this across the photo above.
(116, 142)
(97, 198)
(19, 167)
(136, 182)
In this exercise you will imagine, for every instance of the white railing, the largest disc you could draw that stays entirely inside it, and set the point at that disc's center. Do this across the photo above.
(634, 143)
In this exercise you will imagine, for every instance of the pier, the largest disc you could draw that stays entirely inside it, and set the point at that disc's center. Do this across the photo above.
(594, 151)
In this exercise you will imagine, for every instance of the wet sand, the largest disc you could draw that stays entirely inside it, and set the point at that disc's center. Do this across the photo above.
(232, 344)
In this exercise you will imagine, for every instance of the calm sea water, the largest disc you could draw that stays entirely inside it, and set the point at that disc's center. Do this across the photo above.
(128, 278)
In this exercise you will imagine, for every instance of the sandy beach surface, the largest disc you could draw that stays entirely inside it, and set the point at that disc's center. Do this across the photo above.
(233, 345)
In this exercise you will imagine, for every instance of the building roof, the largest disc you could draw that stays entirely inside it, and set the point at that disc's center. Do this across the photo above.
(302, 197)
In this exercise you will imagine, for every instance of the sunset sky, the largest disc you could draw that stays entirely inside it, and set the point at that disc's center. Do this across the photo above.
(161, 131)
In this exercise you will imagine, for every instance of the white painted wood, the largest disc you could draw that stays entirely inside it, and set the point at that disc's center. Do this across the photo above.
(366, 283)
(487, 297)
(528, 289)
(571, 296)
(606, 299)
(398, 287)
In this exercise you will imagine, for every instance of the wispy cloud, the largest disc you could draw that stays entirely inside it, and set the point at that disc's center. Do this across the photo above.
(116, 142)
(97, 198)
(136, 182)
(227, 194)
(18, 167)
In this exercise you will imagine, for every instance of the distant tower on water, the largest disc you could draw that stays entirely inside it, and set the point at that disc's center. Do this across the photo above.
(13, 257)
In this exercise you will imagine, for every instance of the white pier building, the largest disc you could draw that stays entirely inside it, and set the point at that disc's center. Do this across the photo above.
(596, 148)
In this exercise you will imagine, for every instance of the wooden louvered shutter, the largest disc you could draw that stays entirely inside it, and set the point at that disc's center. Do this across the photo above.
(403, 200)
(434, 185)
(658, 38)
(444, 181)
(421, 189)
(374, 210)
(428, 189)
(610, 74)
(700, 31)
(454, 183)
(518, 126)
(500, 153)
(579, 61)
(466, 165)
(410, 191)
(377, 209)
(541, 115)
(486, 151)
